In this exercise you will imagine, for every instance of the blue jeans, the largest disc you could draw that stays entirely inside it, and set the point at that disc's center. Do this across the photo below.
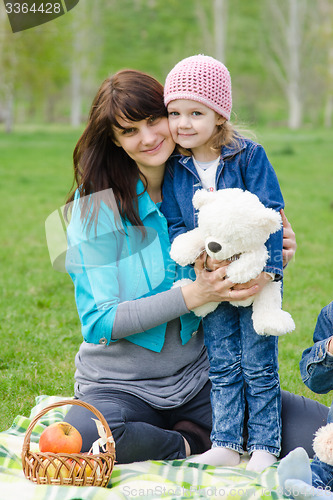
(243, 371)
(322, 474)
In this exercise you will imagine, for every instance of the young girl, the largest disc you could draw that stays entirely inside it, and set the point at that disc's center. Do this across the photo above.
(243, 364)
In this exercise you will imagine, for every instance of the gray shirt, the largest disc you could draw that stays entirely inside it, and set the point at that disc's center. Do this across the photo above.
(164, 379)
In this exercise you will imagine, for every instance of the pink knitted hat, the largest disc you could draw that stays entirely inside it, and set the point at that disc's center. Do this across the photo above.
(203, 79)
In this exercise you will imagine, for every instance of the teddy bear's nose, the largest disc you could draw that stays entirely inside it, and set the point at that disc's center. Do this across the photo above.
(214, 246)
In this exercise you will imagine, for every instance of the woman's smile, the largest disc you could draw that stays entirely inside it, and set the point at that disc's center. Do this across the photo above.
(155, 149)
(148, 142)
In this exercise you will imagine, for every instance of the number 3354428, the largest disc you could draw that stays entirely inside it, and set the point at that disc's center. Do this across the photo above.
(24, 8)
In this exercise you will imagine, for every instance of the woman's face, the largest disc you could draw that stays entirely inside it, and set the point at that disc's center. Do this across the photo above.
(148, 142)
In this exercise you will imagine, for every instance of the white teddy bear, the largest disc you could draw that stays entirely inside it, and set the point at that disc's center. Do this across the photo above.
(234, 225)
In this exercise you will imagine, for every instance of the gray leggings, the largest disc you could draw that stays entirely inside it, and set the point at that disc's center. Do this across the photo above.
(142, 432)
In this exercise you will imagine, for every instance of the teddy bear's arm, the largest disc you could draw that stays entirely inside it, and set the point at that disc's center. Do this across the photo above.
(248, 266)
(187, 247)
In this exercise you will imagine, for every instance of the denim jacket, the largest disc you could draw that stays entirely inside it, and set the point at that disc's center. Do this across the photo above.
(110, 262)
(244, 166)
(316, 364)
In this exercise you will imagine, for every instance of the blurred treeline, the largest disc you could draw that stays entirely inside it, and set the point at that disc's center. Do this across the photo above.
(279, 53)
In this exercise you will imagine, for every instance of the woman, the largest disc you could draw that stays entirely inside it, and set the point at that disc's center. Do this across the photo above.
(143, 363)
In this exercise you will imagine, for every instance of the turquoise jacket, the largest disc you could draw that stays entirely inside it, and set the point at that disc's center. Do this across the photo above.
(111, 262)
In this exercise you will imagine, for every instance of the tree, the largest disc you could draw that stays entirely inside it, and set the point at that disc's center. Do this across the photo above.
(76, 66)
(326, 9)
(82, 65)
(293, 65)
(213, 26)
(284, 46)
(220, 28)
(8, 61)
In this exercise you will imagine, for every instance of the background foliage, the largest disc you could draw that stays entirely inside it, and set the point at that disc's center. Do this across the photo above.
(48, 70)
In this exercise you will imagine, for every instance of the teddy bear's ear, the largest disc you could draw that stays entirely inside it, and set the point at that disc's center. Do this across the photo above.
(201, 197)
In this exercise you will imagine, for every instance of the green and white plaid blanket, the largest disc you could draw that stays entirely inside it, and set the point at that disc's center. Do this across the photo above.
(150, 480)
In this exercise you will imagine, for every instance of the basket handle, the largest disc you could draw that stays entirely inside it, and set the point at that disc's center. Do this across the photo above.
(98, 414)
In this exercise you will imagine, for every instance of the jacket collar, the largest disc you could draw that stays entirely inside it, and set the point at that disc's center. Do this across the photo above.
(226, 152)
(232, 150)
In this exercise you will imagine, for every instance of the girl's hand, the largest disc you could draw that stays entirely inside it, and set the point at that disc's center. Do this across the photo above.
(289, 240)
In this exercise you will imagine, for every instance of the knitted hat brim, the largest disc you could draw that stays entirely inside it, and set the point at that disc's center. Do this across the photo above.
(195, 97)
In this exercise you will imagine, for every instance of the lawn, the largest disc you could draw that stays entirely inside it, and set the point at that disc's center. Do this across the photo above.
(40, 331)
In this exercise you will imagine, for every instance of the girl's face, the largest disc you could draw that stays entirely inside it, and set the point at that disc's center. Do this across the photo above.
(192, 125)
(148, 142)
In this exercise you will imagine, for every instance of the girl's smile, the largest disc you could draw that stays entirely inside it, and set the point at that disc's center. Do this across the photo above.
(192, 125)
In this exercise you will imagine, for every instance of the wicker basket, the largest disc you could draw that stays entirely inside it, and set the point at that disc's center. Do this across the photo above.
(78, 469)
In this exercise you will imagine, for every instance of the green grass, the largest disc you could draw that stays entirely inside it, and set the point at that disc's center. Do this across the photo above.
(303, 162)
(40, 331)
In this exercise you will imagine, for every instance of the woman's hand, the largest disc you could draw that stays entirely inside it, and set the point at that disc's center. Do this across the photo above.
(260, 281)
(289, 240)
(213, 286)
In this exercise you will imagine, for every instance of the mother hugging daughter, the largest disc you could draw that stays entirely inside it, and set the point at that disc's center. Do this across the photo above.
(143, 362)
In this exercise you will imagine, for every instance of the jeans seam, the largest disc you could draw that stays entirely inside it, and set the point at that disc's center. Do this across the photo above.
(269, 449)
(231, 446)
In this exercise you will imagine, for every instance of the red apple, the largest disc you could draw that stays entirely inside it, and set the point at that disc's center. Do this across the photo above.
(60, 437)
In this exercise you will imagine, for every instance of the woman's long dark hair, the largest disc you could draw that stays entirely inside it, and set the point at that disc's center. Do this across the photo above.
(98, 163)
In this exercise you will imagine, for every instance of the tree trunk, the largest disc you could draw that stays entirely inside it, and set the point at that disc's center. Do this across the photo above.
(220, 28)
(293, 90)
(9, 110)
(285, 42)
(326, 9)
(213, 38)
(78, 47)
(329, 101)
(76, 94)
(328, 111)
(6, 87)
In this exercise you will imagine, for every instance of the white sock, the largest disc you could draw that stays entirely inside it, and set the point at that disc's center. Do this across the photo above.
(259, 460)
(218, 456)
